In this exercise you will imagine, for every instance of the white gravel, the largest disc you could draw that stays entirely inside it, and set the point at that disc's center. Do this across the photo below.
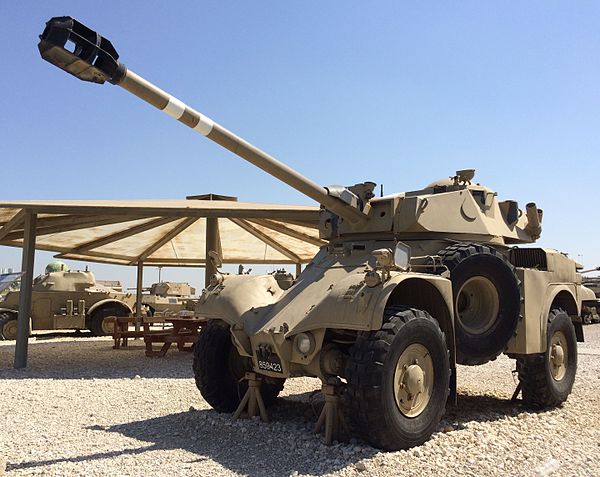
(82, 408)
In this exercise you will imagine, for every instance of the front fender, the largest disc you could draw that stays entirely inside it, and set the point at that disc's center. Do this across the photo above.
(350, 304)
(441, 285)
(107, 301)
(237, 296)
(9, 310)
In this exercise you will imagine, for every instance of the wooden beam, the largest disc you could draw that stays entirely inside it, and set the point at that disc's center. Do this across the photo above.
(284, 229)
(266, 239)
(17, 221)
(302, 216)
(166, 238)
(66, 253)
(136, 229)
(181, 262)
(26, 291)
(60, 220)
(85, 223)
(311, 224)
(138, 295)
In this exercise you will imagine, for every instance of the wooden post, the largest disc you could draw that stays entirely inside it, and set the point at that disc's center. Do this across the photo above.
(212, 239)
(28, 258)
(298, 269)
(138, 296)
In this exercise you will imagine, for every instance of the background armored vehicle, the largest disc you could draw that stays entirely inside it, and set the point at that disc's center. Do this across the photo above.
(408, 285)
(590, 306)
(169, 297)
(64, 299)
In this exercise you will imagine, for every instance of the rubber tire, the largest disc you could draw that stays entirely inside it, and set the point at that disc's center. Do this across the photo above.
(4, 319)
(369, 397)
(215, 377)
(540, 390)
(95, 322)
(469, 260)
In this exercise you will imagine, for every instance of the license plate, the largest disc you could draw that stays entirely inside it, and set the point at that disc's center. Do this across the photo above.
(267, 360)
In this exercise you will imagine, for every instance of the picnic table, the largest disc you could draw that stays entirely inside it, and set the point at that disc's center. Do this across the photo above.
(182, 331)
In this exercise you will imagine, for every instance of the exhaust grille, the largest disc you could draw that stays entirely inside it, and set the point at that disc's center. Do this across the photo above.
(529, 258)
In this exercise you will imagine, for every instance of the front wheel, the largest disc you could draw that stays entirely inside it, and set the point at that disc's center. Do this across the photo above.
(398, 380)
(547, 379)
(8, 326)
(219, 369)
(98, 323)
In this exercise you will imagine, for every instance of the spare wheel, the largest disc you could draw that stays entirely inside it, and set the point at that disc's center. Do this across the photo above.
(487, 300)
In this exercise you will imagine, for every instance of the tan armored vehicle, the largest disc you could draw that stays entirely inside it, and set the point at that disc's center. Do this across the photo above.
(590, 309)
(408, 285)
(64, 299)
(169, 297)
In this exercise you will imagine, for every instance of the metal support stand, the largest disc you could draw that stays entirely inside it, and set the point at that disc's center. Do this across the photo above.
(212, 244)
(517, 391)
(252, 400)
(138, 295)
(26, 290)
(332, 416)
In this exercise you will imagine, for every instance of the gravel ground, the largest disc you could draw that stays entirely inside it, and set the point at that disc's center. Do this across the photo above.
(82, 408)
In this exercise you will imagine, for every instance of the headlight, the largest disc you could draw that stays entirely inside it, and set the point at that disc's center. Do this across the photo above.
(402, 256)
(305, 343)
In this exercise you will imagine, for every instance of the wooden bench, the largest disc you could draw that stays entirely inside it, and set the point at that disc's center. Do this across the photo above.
(121, 331)
(184, 331)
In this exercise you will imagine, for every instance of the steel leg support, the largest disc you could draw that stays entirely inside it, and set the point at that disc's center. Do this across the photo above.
(252, 400)
(332, 416)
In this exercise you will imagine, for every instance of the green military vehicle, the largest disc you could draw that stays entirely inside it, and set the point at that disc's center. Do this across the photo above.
(407, 286)
(64, 299)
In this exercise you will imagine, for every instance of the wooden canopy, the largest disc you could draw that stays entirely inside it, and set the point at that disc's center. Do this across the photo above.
(159, 233)
(166, 232)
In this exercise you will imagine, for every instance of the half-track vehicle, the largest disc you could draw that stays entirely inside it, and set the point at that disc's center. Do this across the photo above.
(169, 297)
(64, 299)
(407, 286)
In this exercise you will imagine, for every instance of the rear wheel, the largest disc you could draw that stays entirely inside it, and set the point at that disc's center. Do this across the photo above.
(8, 326)
(398, 380)
(547, 379)
(219, 369)
(487, 301)
(98, 323)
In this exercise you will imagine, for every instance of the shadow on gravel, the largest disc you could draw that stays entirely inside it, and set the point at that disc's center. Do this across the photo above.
(247, 446)
(477, 408)
(279, 448)
(93, 359)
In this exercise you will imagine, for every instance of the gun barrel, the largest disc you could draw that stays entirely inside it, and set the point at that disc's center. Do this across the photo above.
(202, 124)
(595, 269)
(95, 59)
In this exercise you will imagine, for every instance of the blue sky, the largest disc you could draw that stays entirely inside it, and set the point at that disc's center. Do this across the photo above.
(395, 92)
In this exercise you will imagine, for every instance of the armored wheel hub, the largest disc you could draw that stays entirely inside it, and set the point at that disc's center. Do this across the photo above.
(477, 305)
(558, 355)
(9, 330)
(108, 326)
(413, 380)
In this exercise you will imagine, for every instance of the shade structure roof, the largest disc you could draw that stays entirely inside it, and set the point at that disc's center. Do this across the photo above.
(165, 232)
